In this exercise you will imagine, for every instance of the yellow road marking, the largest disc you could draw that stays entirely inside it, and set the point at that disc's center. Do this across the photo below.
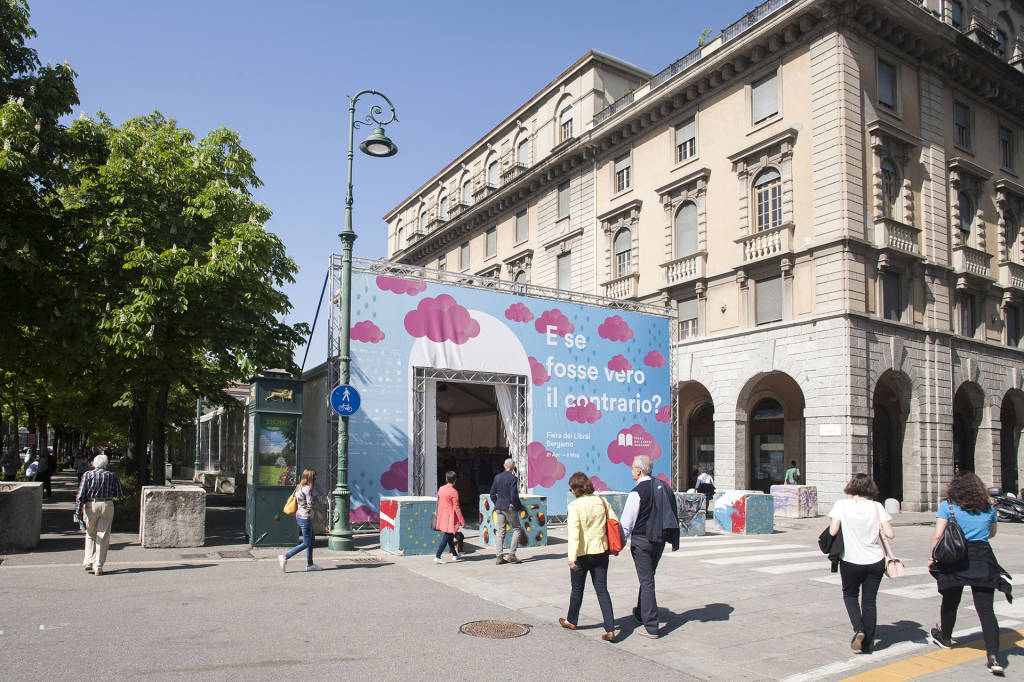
(939, 659)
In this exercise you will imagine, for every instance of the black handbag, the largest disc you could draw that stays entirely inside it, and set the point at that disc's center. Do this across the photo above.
(952, 546)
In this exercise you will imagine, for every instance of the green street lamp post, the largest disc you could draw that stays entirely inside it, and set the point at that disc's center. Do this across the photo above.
(377, 144)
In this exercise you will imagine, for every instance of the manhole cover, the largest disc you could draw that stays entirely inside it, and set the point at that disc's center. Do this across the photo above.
(195, 556)
(236, 554)
(494, 629)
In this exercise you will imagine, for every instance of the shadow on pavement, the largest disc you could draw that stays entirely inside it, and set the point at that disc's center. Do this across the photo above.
(900, 631)
(147, 569)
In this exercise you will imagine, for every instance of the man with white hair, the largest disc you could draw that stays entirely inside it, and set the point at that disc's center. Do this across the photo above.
(96, 493)
(507, 505)
(649, 519)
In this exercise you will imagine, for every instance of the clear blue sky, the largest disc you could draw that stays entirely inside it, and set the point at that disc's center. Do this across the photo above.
(280, 73)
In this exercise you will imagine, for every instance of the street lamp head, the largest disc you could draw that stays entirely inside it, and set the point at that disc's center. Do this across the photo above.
(378, 144)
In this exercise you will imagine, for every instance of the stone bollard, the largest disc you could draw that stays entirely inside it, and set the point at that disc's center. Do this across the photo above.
(892, 505)
(21, 514)
(172, 517)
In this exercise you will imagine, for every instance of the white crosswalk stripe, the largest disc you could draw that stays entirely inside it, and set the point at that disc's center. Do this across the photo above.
(731, 560)
(715, 551)
(791, 568)
(836, 579)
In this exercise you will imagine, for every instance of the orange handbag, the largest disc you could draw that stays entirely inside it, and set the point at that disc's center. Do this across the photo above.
(614, 530)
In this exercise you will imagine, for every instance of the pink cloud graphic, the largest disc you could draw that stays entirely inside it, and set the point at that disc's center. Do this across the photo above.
(401, 286)
(584, 412)
(631, 443)
(663, 477)
(517, 312)
(615, 328)
(554, 318)
(397, 477)
(664, 414)
(367, 332)
(619, 363)
(545, 469)
(598, 483)
(654, 359)
(441, 319)
(540, 374)
(363, 514)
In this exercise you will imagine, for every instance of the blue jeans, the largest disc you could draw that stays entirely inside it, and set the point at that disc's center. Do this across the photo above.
(306, 526)
(447, 540)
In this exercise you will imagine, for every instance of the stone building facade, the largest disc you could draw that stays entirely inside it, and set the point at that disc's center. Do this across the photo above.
(827, 193)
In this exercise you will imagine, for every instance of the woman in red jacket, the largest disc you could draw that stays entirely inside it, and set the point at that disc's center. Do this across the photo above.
(449, 517)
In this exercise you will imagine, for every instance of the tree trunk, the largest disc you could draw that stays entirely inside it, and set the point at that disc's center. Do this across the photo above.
(137, 438)
(160, 433)
(33, 443)
(44, 441)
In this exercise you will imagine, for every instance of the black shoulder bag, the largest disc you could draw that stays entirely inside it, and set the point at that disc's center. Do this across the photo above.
(952, 546)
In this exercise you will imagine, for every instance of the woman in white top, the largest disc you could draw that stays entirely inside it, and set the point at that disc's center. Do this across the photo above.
(861, 519)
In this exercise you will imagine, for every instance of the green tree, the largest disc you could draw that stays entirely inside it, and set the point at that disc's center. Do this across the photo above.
(190, 276)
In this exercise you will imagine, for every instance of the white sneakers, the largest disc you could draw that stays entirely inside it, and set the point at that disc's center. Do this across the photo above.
(438, 560)
(281, 560)
(313, 567)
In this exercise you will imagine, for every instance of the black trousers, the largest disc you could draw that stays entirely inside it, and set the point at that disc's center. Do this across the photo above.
(983, 598)
(860, 590)
(646, 555)
(597, 566)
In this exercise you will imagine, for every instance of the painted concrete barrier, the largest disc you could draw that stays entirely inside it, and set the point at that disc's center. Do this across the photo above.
(692, 518)
(406, 525)
(615, 500)
(172, 517)
(21, 514)
(748, 512)
(795, 501)
(534, 521)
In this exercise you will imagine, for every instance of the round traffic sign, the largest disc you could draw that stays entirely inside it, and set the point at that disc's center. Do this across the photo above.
(345, 400)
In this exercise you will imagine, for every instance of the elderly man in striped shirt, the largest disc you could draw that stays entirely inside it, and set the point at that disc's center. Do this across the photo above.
(96, 493)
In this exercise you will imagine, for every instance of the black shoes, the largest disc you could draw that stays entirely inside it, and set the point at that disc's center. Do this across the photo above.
(941, 640)
(993, 665)
(636, 616)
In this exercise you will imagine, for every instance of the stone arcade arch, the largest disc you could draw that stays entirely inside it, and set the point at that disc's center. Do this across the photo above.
(968, 407)
(890, 409)
(774, 407)
(696, 433)
(1011, 420)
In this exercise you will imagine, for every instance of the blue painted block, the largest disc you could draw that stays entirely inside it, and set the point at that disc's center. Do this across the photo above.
(745, 511)
(405, 525)
(692, 519)
(534, 521)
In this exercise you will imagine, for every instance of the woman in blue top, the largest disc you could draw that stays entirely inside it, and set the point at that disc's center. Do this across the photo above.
(968, 501)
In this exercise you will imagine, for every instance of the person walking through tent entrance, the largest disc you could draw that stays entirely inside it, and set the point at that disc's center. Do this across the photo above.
(861, 519)
(448, 517)
(967, 502)
(304, 518)
(505, 496)
(649, 520)
(94, 506)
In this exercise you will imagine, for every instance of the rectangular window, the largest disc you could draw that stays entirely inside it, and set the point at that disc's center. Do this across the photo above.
(522, 227)
(564, 271)
(688, 318)
(887, 79)
(464, 255)
(1012, 326)
(491, 242)
(523, 152)
(892, 305)
(442, 262)
(957, 14)
(563, 200)
(764, 98)
(1007, 149)
(769, 300)
(686, 139)
(622, 167)
(962, 124)
(965, 303)
(565, 125)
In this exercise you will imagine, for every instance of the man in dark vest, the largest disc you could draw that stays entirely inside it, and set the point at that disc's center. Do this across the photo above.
(649, 519)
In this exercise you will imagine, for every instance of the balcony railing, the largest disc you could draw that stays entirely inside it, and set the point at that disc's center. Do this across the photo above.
(455, 210)
(766, 244)
(971, 261)
(684, 269)
(1011, 275)
(892, 234)
(752, 18)
(622, 287)
(618, 105)
(512, 172)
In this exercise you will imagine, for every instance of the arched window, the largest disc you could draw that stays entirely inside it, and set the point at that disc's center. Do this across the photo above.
(565, 124)
(966, 214)
(686, 230)
(890, 188)
(492, 174)
(523, 152)
(467, 192)
(767, 409)
(520, 277)
(1004, 29)
(442, 208)
(768, 199)
(1013, 237)
(398, 237)
(623, 249)
(423, 221)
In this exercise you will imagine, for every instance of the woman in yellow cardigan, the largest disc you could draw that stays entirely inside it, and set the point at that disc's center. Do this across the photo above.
(588, 552)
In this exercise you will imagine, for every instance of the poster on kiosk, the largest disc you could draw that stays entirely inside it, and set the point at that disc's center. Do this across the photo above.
(459, 378)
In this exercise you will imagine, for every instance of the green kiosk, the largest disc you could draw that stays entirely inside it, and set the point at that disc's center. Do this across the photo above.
(274, 421)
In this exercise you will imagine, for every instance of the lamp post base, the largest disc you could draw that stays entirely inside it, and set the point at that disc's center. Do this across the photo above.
(340, 542)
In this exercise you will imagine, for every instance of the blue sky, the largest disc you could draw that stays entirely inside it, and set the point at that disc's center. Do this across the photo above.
(281, 73)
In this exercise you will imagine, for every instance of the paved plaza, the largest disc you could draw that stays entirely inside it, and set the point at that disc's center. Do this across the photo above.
(733, 608)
